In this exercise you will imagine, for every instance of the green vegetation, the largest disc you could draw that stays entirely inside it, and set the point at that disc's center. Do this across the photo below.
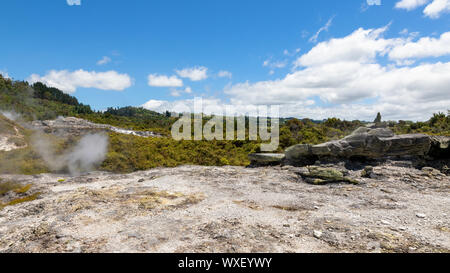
(130, 153)
(40, 102)
(8, 186)
(439, 124)
(306, 131)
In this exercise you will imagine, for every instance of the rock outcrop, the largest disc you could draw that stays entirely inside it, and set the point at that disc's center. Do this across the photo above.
(11, 135)
(76, 126)
(369, 143)
(266, 159)
(440, 147)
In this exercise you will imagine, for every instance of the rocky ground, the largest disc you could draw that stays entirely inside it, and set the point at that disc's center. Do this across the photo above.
(69, 126)
(397, 208)
(9, 142)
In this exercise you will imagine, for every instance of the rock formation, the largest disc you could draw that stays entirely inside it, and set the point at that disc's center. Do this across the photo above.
(76, 126)
(365, 142)
(319, 175)
(372, 144)
(266, 159)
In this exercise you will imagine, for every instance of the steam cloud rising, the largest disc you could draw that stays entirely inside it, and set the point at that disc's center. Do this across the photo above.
(90, 151)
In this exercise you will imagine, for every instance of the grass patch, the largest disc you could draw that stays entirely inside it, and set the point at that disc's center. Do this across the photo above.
(8, 186)
(24, 189)
(128, 153)
(24, 199)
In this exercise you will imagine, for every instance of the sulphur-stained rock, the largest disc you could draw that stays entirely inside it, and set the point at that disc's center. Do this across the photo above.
(266, 159)
(321, 175)
(367, 172)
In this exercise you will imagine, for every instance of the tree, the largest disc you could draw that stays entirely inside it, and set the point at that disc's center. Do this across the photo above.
(378, 118)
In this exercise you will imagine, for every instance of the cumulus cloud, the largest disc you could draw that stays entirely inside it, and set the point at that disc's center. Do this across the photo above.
(74, 2)
(346, 79)
(437, 8)
(104, 60)
(194, 73)
(164, 81)
(433, 10)
(360, 46)
(410, 4)
(69, 82)
(351, 77)
(423, 48)
(210, 106)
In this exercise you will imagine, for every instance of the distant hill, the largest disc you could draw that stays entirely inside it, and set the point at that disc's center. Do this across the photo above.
(40, 102)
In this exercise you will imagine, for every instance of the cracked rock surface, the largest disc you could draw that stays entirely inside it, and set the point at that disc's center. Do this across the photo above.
(231, 209)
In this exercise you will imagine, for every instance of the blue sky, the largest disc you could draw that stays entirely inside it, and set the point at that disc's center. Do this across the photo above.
(313, 58)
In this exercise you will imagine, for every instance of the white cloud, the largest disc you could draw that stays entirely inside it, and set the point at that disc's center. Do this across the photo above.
(275, 64)
(4, 74)
(423, 48)
(194, 73)
(433, 10)
(374, 2)
(164, 81)
(345, 77)
(210, 106)
(104, 60)
(410, 4)
(294, 52)
(360, 46)
(74, 2)
(324, 28)
(176, 92)
(69, 81)
(224, 74)
(437, 8)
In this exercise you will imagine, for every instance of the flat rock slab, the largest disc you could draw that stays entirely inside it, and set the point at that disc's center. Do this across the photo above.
(266, 158)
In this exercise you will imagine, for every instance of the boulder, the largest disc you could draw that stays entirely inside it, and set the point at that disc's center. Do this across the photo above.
(440, 147)
(320, 175)
(266, 159)
(372, 143)
(298, 151)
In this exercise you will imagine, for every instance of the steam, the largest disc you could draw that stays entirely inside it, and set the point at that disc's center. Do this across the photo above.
(88, 153)
(11, 115)
(91, 150)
